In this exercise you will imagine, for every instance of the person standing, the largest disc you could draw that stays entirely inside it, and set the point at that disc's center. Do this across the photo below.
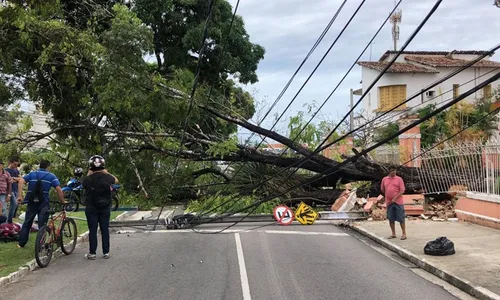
(97, 198)
(39, 184)
(14, 174)
(393, 188)
(5, 191)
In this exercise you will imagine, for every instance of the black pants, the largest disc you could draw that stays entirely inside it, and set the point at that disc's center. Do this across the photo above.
(97, 217)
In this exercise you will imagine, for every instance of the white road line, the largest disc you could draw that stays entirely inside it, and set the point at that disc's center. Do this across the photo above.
(243, 270)
(307, 232)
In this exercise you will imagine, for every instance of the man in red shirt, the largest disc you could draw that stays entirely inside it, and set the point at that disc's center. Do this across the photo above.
(393, 188)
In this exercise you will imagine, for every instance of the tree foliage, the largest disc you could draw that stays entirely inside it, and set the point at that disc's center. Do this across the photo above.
(85, 63)
(452, 121)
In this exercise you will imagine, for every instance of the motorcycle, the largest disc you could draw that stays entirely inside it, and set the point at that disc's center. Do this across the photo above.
(116, 201)
(73, 192)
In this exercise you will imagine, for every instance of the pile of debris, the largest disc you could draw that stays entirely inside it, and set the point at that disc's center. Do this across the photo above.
(440, 210)
(415, 206)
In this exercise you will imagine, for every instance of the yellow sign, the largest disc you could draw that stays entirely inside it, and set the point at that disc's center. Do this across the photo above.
(305, 214)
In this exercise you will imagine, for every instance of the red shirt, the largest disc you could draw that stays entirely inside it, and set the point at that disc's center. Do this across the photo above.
(4, 182)
(391, 186)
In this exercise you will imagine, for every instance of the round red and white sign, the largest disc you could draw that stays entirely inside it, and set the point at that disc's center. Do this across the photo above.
(283, 215)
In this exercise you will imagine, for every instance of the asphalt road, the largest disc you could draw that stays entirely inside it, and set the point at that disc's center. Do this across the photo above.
(294, 262)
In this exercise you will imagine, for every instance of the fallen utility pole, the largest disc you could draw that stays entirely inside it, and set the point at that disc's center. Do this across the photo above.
(324, 215)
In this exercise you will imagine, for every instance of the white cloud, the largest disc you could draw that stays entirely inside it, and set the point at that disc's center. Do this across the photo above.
(288, 28)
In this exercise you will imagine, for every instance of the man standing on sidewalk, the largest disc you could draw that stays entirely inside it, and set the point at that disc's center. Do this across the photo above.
(97, 196)
(393, 188)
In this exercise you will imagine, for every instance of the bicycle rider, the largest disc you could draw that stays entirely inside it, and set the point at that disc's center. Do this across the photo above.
(37, 206)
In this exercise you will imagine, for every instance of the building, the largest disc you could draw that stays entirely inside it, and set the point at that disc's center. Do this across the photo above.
(413, 71)
(40, 126)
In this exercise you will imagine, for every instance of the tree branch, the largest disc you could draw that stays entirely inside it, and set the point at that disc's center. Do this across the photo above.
(198, 173)
(272, 135)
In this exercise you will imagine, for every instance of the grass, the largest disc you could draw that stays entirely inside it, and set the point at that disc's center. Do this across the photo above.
(11, 258)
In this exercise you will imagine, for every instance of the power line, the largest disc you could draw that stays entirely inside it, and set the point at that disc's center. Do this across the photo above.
(379, 124)
(445, 140)
(371, 86)
(383, 121)
(349, 71)
(452, 74)
(338, 168)
(318, 41)
(386, 68)
(285, 88)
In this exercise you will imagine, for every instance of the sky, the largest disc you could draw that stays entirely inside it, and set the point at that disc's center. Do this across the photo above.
(287, 29)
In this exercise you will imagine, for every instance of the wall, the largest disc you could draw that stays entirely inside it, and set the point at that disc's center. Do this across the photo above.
(479, 209)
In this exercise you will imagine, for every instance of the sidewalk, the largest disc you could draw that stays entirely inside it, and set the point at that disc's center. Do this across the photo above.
(475, 268)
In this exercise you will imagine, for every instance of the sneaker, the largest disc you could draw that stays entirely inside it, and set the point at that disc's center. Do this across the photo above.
(90, 256)
(19, 246)
(106, 256)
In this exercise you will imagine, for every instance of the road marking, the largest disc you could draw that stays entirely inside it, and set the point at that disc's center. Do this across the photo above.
(306, 232)
(243, 270)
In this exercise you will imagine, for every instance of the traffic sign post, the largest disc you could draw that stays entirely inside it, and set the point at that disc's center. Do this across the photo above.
(305, 214)
(283, 215)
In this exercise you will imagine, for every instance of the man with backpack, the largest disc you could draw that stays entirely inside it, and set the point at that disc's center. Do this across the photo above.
(39, 184)
(97, 197)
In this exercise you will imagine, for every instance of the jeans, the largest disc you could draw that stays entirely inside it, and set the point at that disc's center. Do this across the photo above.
(4, 204)
(98, 217)
(13, 207)
(42, 210)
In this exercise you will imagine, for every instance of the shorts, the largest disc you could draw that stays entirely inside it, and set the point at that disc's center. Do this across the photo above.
(396, 213)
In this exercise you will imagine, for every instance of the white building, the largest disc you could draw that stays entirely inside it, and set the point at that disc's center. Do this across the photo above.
(40, 126)
(416, 70)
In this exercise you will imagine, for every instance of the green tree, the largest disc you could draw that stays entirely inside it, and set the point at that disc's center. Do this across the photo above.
(386, 131)
(178, 29)
(83, 63)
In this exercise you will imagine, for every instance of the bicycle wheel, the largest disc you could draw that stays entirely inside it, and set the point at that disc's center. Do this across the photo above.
(73, 201)
(43, 246)
(68, 236)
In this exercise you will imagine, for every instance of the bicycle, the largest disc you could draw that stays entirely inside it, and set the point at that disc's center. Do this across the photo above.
(50, 235)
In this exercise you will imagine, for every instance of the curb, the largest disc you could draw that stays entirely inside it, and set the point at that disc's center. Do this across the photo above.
(121, 216)
(463, 284)
(32, 265)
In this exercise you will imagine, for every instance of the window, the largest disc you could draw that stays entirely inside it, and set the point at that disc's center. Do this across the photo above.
(487, 91)
(390, 96)
(456, 90)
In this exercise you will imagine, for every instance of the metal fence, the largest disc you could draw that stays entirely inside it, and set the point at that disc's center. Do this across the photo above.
(473, 167)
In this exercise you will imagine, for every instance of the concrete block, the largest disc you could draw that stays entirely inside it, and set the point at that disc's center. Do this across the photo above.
(369, 206)
(413, 199)
(349, 204)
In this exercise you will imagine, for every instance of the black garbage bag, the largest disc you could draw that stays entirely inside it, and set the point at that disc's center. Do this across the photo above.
(440, 247)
